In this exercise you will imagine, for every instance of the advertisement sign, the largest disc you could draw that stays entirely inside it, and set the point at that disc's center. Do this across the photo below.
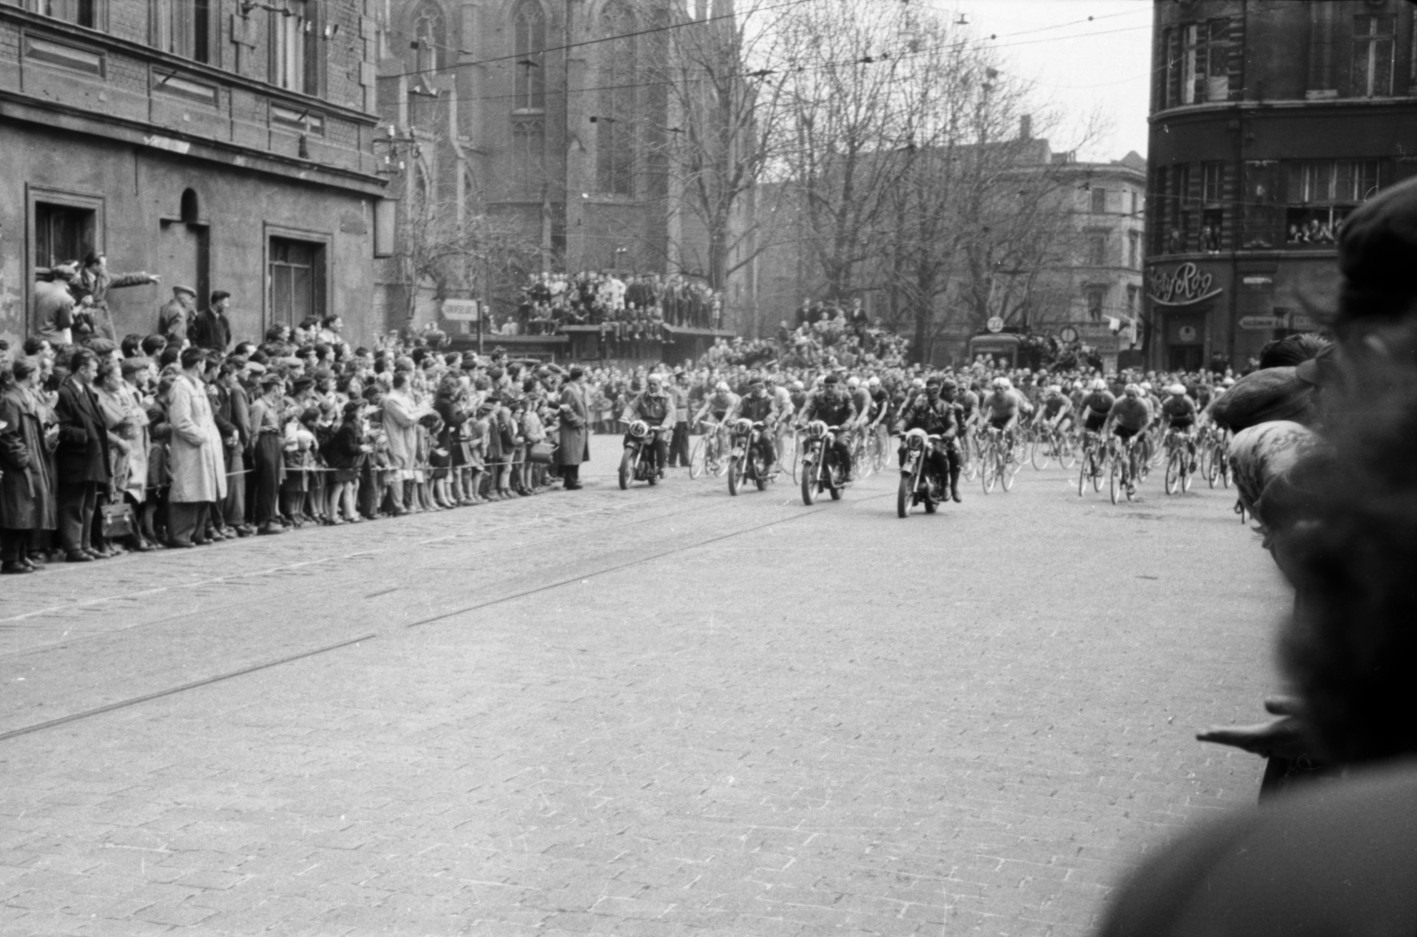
(1183, 287)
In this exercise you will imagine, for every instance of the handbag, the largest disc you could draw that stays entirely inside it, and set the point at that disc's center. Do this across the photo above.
(539, 453)
(116, 521)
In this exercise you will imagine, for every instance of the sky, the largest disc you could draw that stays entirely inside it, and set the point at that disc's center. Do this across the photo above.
(1078, 65)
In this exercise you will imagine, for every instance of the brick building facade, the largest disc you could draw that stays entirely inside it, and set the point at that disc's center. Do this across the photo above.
(1269, 124)
(220, 144)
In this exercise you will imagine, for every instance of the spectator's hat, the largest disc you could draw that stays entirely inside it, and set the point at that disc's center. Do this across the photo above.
(134, 365)
(1376, 249)
(303, 382)
(352, 407)
(1320, 369)
(831, 379)
(185, 289)
(323, 374)
(271, 378)
(67, 270)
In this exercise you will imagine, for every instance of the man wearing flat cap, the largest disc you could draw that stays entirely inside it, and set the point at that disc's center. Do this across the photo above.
(176, 314)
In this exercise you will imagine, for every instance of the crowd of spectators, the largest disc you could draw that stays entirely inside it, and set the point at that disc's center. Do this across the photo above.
(180, 438)
(630, 309)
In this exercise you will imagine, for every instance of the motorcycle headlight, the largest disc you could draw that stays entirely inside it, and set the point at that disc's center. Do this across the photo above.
(639, 429)
(817, 429)
(915, 439)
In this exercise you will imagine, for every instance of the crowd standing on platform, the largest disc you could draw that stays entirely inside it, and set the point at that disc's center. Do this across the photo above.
(638, 308)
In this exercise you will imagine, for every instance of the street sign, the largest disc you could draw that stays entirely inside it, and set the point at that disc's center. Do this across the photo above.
(1068, 334)
(995, 324)
(460, 310)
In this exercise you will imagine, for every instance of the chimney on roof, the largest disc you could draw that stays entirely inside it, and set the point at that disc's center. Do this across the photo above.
(1025, 127)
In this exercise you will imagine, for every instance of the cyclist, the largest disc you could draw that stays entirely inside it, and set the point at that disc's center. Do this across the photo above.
(1129, 417)
(798, 394)
(833, 405)
(1003, 407)
(1056, 412)
(878, 409)
(1095, 406)
(760, 406)
(785, 407)
(1178, 412)
(716, 404)
(655, 407)
(936, 412)
(861, 399)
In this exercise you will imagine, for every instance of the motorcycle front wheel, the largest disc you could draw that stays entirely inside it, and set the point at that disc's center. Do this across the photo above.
(833, 482)
(735, 474)
(809, 483)
(760, 473)
(904, 495)
(627, 467)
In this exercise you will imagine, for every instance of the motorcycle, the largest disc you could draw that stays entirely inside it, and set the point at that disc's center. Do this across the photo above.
(745, 461)
(918, 484)
(822, 468)
(637, 461)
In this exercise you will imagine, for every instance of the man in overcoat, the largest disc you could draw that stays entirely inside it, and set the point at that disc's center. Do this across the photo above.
(195, 456)
(575, 428)
(26, 483)
(81, 460)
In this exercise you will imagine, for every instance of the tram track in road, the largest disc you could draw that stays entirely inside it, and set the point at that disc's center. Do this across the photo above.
(305, 654)
(548, 526)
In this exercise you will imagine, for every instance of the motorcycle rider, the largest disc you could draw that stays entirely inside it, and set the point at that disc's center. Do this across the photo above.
(937, 413)
(655, 407)
(760, 406)
(833, 405)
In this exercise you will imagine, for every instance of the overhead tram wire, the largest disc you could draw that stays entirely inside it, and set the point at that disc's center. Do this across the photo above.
(979, 43)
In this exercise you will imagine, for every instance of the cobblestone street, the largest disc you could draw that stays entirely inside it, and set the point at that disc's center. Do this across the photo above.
(655, 712)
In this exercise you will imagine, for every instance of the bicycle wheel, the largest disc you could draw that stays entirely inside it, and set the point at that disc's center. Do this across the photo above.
(1006, 477)
(988, 468)
(1114, 477)
(793, 460)
(1038, 451)
(1083, 473)
(969, 457)
(1186, 472)
(1132, 476)
(718, 459)
(1067, 450)
(1100, 460)
(1173, 471)
(696, 458)
(1222, 454)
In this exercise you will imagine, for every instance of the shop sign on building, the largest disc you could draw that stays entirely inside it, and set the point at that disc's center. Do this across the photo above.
(1261, 323)
(460, 310)
(1187, 285)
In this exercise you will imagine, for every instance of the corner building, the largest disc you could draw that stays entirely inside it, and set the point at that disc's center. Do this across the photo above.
(220, 144)
(1270, 123)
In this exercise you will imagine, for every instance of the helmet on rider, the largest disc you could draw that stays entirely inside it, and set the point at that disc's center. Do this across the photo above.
(1098, 384)
(1132, 390)
(721, 387)
(853, 382)
(873, 381)
(1146, 386)
(797, 385)
(1054, 390)
(1002, 383)
(933, 381)
(1176, 390)
(655, 379)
